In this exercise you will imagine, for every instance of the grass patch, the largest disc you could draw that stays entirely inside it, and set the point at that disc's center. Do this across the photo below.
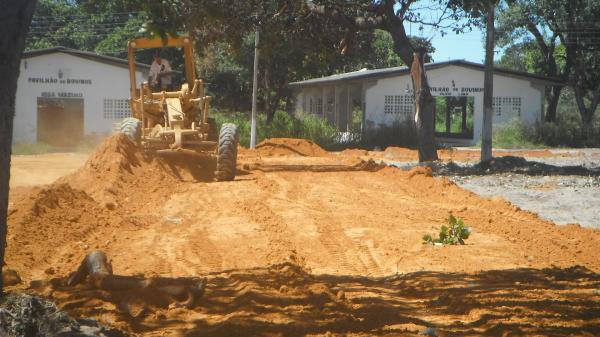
(32, 148)
(514, 136)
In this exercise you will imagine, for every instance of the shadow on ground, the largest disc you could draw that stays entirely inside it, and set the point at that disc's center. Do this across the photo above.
(285, 300)
(511, 164)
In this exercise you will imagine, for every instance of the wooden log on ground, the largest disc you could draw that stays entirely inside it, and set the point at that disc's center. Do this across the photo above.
(96, 269)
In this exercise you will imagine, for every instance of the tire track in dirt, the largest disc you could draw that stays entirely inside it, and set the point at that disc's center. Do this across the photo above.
(189, 242)
(351, 254)
(279, 246)
(287, 195)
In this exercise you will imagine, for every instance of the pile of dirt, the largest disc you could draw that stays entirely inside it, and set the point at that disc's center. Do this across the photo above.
(290, 147)
(354, 152)
(51, 228)
(23, 315)
(49, 225)
(400, 154)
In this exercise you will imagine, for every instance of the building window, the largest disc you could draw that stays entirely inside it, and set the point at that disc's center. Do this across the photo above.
(319, 106)
(116, 109)
(507, 106)
(397, 104)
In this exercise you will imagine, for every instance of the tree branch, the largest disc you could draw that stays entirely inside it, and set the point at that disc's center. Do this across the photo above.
(355, 23)
(533, 29)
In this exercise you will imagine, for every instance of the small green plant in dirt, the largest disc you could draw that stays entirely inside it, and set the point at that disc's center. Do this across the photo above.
(455, 233)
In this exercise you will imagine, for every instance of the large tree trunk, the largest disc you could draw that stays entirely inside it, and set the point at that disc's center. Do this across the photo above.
(424, 110)
(488, 87)
(424, 101)
(553, 98)
(15, 18)
(586, 113)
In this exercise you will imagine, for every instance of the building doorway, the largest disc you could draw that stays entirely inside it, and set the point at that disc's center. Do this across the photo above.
(60, 121)
(454, 116)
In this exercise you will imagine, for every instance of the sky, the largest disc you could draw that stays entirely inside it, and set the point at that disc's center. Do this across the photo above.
(468, 46)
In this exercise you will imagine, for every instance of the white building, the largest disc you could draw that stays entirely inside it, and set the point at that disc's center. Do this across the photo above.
(384, 96)
(64, 95)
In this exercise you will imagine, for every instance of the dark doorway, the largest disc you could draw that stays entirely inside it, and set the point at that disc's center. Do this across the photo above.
(60, 121)
(454, 116)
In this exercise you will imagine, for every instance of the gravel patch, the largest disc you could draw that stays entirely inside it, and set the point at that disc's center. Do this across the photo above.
(562, 189)
(560, 199)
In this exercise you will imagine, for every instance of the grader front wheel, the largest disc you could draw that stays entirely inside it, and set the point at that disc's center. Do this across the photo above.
(227, 153)
(131, 127)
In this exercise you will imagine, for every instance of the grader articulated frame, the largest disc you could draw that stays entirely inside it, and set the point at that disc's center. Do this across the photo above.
(178, 121)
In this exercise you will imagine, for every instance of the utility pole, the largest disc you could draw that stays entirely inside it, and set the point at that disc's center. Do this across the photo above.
(254, 92)
(488, 86)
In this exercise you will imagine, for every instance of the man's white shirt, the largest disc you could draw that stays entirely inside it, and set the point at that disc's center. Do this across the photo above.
(156, 69)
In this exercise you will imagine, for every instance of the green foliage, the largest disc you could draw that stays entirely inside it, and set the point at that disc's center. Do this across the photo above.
(283, 125)
(31, 148)
(514, 135)
(541, 32)
(455, 233)
(565, 132)
(77, 25)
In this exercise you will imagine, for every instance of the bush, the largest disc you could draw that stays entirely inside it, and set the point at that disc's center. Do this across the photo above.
(514, 135)
(457, 233)
(565, 132)
(283, 125)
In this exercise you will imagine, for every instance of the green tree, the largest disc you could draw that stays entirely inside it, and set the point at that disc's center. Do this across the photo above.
(76, 24)
(566, 36)
(522, 56)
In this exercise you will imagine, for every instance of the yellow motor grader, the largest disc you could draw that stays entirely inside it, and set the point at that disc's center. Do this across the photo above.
(177, 121)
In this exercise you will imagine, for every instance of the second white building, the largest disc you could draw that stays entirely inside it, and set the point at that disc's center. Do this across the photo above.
(384, 97)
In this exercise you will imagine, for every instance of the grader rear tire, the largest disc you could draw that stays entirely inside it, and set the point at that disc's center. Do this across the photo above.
(131, 127)
(227, 153)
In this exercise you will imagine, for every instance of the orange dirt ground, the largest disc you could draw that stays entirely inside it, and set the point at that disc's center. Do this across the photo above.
(301, 252)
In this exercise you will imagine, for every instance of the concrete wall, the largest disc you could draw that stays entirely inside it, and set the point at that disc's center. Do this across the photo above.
(94, 81)
(446, 81)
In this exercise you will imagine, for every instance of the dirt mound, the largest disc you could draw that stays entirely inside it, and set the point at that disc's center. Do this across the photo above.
(118, 170)
(290, 147)
(354, 152)
(53, 227)
(420, 170)
(400, 153)
(49, 225)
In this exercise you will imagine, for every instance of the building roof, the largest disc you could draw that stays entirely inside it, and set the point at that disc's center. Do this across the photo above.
(83, 54)
(396, 71)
